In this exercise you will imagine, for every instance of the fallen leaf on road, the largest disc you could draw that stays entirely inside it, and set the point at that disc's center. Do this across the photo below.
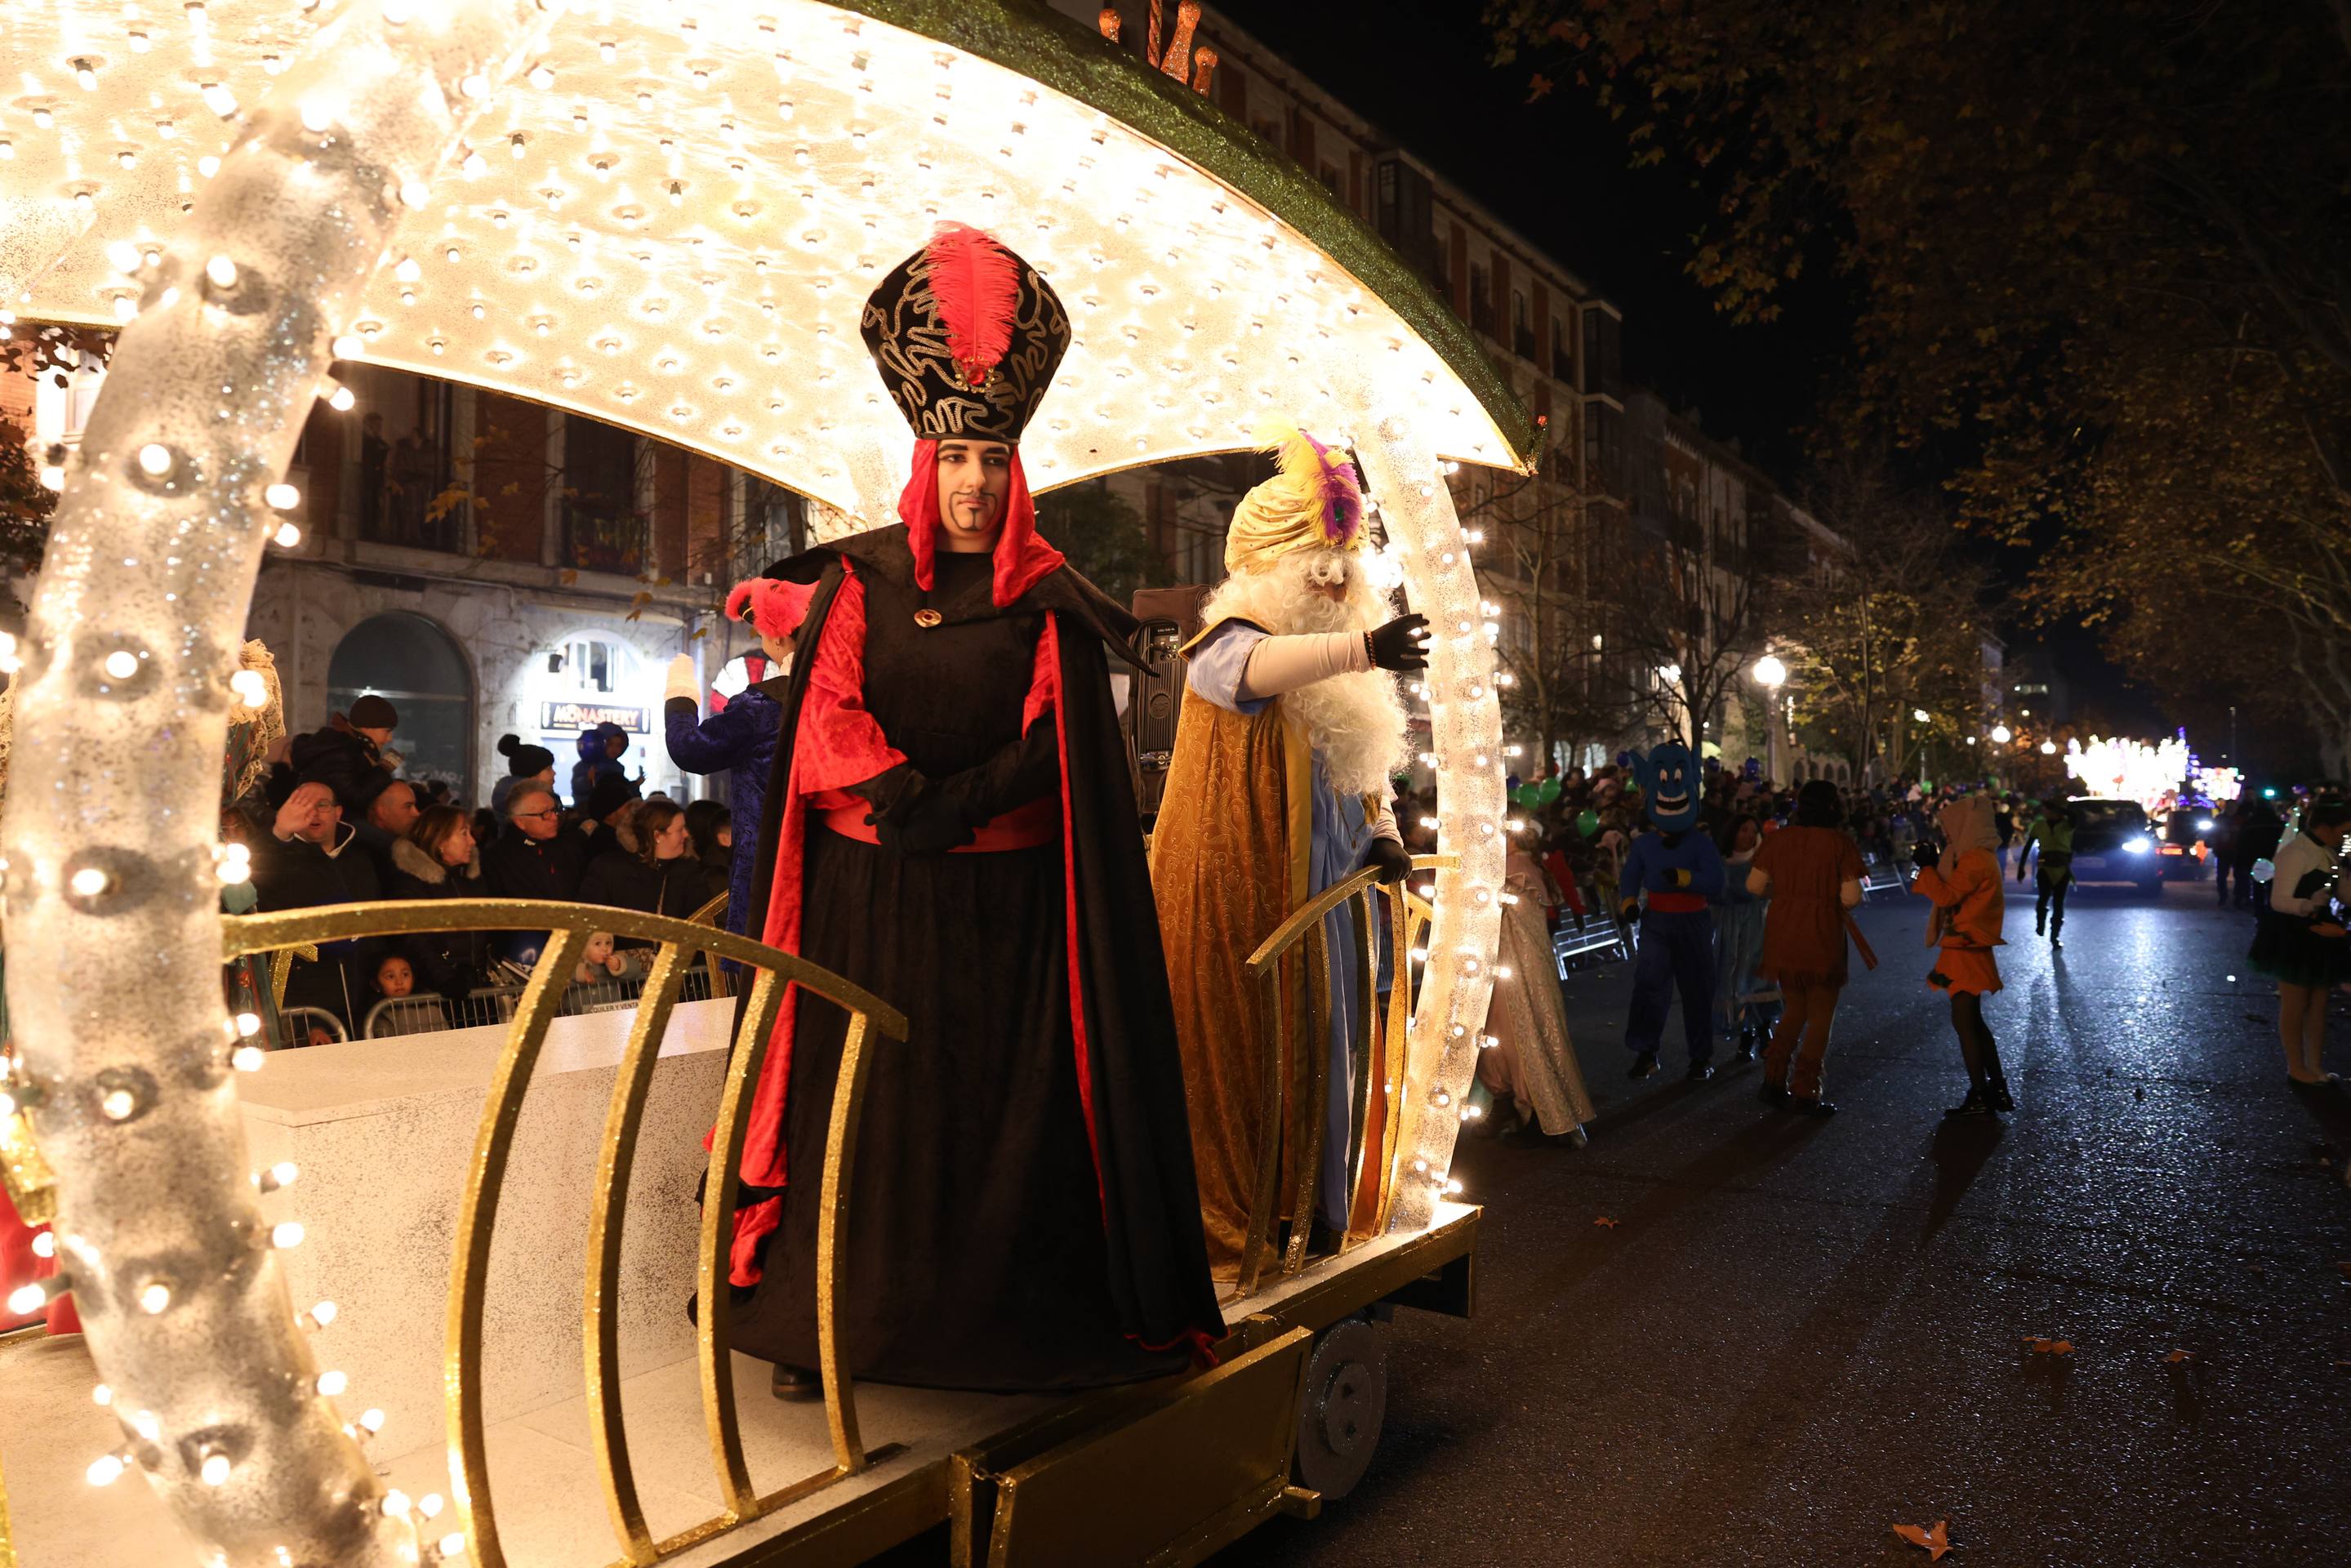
(2177, 1356)
(1937, 1539)
(2049, 1346)
(1605, 1223)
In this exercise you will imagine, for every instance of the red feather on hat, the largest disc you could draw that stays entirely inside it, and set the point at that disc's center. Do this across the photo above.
(976, 288)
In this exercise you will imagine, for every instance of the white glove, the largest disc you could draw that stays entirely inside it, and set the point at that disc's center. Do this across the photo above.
(681, 682)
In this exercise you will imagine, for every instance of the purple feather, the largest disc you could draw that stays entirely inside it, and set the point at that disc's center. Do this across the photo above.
(1342, 498)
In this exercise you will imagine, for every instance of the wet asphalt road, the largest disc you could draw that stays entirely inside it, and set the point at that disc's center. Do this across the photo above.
(1799, 1333)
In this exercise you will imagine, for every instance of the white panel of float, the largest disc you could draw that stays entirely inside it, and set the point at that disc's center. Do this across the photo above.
(382, 1132)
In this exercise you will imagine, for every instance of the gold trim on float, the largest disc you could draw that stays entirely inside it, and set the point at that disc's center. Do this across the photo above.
(680, 943)
(7, 1531)
(1303, 1130)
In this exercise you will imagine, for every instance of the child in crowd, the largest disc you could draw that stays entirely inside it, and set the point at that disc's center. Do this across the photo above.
(395, 981)
(600, 963)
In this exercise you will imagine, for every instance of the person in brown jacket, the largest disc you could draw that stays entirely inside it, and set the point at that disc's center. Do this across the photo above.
(1963, 883)
(1811, 871)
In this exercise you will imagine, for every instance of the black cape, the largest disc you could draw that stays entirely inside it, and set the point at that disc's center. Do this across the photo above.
(1142, 1197)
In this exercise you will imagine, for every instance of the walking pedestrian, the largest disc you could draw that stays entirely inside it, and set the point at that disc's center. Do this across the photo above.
(1963, 881)
(2053, 831)
(1811, 871)
(1739, 941)
(2301, 941)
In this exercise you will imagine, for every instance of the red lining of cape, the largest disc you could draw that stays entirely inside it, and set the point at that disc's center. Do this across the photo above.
(1023, 559)
(838, 743)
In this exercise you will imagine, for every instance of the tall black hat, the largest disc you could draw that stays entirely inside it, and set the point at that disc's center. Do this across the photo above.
(966, 336)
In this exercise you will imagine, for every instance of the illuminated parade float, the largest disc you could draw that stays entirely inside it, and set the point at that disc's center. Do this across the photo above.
(668, 217)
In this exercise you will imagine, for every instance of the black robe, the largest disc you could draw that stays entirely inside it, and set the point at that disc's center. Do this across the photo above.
(996, 1239)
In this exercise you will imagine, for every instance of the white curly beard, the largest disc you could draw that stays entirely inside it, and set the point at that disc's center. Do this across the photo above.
(1355, 723)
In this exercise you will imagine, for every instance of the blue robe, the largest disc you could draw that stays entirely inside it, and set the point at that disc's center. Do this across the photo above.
(741, 741)
(1676, 949)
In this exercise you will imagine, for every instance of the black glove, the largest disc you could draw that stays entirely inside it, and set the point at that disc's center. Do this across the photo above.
(1401, 646)
(1926, 856)
(1393, 859)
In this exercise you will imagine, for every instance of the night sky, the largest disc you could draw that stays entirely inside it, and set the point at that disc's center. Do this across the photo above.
(1560, 172)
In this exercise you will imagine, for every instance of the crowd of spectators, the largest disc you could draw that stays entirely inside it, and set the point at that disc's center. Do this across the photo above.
(1582, 823)
(333, 824)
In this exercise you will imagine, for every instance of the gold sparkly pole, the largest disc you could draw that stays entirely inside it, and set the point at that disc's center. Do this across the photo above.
(122, 704)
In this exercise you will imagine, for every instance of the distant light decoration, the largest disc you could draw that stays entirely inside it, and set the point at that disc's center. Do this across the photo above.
(2219, 784)
(2122, 769)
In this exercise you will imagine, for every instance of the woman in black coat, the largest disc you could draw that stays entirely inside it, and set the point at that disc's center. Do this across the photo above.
(436, 860)
(649, 867)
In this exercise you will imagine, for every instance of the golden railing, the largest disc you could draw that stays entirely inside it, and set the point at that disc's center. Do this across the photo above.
(1380, 1055)
(680, 941)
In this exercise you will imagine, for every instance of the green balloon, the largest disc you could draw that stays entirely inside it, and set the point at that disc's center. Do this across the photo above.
(1587, 822)
(1548, 791)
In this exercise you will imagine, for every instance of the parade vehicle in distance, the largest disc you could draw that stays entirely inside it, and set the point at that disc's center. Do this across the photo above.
(2183, 839)
(2115, 843)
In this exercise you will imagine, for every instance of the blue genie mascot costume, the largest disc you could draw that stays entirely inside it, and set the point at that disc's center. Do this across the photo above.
(1674, 872)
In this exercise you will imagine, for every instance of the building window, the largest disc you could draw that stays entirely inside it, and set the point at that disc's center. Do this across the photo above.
(1522, 330)
(602, 530)
(1562, 351)
(1481, 299)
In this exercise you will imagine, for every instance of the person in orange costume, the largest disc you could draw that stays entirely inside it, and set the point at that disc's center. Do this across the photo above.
(1963, 883)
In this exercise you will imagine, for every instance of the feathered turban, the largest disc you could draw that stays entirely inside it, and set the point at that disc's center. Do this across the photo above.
(1313, 502)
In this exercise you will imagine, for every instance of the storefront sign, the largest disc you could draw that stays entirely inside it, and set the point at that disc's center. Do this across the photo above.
(566, 715)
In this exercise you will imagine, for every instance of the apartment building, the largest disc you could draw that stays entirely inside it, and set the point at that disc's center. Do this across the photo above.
(1552, 336)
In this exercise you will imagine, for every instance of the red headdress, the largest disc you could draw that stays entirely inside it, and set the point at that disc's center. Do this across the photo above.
(966, 336)
(776, 608)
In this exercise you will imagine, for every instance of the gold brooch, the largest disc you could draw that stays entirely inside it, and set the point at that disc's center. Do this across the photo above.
(926, 619)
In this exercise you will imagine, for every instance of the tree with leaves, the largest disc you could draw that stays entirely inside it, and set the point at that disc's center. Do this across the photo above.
(25, 503)
(1105, 538)
(2100, 258)
(1883, 623)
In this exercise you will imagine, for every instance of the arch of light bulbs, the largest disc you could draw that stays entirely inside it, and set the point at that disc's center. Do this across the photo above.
(361, 164)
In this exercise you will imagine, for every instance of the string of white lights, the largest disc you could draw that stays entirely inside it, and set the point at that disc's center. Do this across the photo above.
(112, 864)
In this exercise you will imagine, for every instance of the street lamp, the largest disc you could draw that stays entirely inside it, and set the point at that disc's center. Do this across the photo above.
(2001, 735)
(2048, 748)
(1771, 675)
(1921, 715)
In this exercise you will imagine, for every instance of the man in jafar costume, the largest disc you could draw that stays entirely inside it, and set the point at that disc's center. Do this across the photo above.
(1290, 732)
(951, 826)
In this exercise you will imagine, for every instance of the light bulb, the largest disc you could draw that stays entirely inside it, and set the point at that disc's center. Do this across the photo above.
(453, 1545)
(154, 1297)
(214, 1470)
(286, 1234)
(371, 1420)
(283, 496)
(342, 400)
(247, 1058)
(323, 1313)
(156, 460)
(331, 1384)
(105, 1471)
(288, 536)
(122, 664)
(396, 1501)
(219, 99)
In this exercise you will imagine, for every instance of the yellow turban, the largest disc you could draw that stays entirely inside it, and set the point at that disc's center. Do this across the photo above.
(1313, 502)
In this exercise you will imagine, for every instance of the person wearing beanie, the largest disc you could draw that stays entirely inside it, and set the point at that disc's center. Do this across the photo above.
(346, 756)
(739, 739)
(951, 810)
(525, 765)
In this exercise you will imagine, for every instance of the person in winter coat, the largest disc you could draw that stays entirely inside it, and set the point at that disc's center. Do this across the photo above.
(647, 868)
(346, 756)
(740, 738)
(436, 860)
(525, 765)
(538, 857)
(710, 839)
(1963, 883)
(600, 758)
(308, 858)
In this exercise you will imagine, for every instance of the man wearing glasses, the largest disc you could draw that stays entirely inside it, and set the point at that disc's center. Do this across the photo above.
(540, 859)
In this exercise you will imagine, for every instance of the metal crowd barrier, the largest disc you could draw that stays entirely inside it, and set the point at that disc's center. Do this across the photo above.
(680, 943)
(1882, 877)
(423, 1014)
(1600, 939)
(1299, 952)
